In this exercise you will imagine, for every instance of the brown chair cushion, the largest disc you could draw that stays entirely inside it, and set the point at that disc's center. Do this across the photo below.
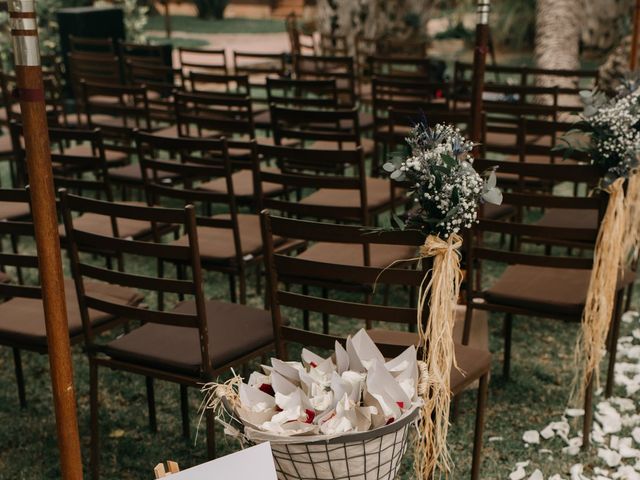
(234, 331)
(262, 119)
(133, 174)
(505, 139)
(378, 196)
(545, 289)
(352, 254)
(497, 212)
(569, 218)
(6, 147)
(22, 319)
(4, 277)
(101, 225)
(171, 131)
(367, 144)
(84, 150)
(14, 210)
(473, 363)
(216, 244)
(243, 184)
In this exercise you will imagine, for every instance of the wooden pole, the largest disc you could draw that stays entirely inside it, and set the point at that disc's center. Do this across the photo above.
(479, 63)
(633, 61)
(30, 90)
(167, 18)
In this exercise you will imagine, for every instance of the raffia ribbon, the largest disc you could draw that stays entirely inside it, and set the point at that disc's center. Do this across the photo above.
(601, 295)
(436, 335)
(631, 239)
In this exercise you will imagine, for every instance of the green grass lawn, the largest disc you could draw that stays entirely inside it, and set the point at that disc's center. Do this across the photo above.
(184, 23)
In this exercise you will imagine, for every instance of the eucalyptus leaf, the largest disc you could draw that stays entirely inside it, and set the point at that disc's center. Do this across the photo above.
(389, 167)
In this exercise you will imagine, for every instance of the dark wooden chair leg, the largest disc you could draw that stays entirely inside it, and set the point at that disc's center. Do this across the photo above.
(305, 313)
(242, 280)
(151, 405)
(17, 361)
(232, 288)
(627, 304)
(95, 430)
(588, 416)
(508, 331)
(325, 317)
(613, 343)
(479, 428)
(455, 409)
(184, 407)
(211, 436)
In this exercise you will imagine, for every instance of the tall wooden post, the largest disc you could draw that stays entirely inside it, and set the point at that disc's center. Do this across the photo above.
(167, 18)
(633, 61)
(479, 63)
(30, 90)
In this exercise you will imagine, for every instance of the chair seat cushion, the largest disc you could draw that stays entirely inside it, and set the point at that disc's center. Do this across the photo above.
(352, 254)
(367, 144)
(472, 362)
(545, 289)
(262, 119)
(569, 218)
(14, 210)
(243, 184)
(378, 196)
(216, 244)
(6, 147)
(22, 319)
(133, 174)
(505, 139)
(101, 225)
(84, 150)
(234, 331)
(171, 131)
(497, 212)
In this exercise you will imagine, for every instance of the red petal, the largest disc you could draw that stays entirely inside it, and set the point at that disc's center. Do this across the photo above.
(313, 364)
(390, 421)
(400, 404)
(268, 389)
(310, 415)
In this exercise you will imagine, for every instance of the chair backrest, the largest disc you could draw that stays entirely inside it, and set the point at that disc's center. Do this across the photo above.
(302, 93)
(78, 173)
(190, 283)
(92, 45)
(54, 102)
(286, 273)
(20, 262)
(334, 44)
(125, 107)
(203, 82)
(407, 95)
(527, 200)
(223, 114)
(299, 42)
(401, 66)
(320, 67)
(303, 171)
(197, 160)
(203, 60)
(259, 65)
(547, 135)
(96, 68)
(142, 53)
(337, 126)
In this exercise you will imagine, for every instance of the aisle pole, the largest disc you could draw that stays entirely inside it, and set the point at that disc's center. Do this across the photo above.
(30, 90)
(479, 64)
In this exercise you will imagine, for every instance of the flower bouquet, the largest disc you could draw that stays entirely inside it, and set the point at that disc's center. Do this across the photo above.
(609, 134)
(447, 193)
(344, 416)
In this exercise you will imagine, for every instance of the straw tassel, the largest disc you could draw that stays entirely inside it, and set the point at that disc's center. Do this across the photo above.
(631, 239)
(600, 301)
(436, 336)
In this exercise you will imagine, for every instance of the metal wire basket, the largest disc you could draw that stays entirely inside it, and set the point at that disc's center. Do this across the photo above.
(372, 455)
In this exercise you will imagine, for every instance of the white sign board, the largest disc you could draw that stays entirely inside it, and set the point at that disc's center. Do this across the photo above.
(255, 463)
